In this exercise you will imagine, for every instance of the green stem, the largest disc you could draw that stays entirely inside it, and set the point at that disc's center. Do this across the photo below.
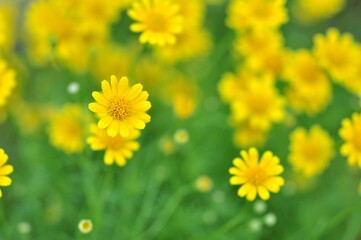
(228, 226)
(156, 228)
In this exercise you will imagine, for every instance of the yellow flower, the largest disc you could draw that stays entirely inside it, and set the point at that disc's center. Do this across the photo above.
(117, 149)
(158, 20)
(7, 82)
(246, 136)
(192, 12)
(5, 170)
(310, 11)
(257, 176)
(204, 184)
(85, 226)
(309, 90)
(258, 42)
(310, 152)
(353, 82)
(350, 132)
(68, 128)
(336, 53)
(121, 107)
(7, 25)
(260, 105)
(117, 58)
(191, 43)
(243, 14)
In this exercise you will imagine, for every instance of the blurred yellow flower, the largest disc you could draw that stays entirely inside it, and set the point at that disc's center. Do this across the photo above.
(260, 105)
(121, 107)
(233, 85)
(309, 90)
(117, 60)
(353, 82)
(204, 184)
(192, 12)
(7, 82)
(258, 42)
(309, 11)
(85, 226)
(191, 43)
(68, 127)
(244, 14)
(5, 170)
(158, 21)
(117, 149)
(256, 175)
(310, 152)
(350, 132)
(7, 25)
(246, 136)
(336, 53)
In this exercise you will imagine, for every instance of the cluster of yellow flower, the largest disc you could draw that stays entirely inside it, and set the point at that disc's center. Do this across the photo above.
(256, 102)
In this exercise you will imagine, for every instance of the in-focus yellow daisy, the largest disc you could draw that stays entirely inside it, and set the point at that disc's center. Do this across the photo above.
(68, 128)
(350, 132)
(121, 107)
(5, 170)
(256, 175)
(7, 82)
(158, 21)
(117, 149)
(336, 53)
(243, 14)
(310, 152)
(260, 105)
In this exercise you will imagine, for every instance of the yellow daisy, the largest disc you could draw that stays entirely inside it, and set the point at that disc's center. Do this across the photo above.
(257, 176)
(68, 128)
(336, 53)
(260, 105)
(117, 149)
(350, 132)
(5, 170)
(121, 107)
(310, 152)
(158, 21)
(309, 90)
(7, 82)
(243, 14)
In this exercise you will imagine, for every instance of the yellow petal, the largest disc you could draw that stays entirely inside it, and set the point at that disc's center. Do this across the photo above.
(100, 98)
(263, 193)
(123, 129)
(252, 193)
(108, 157)
(135, 91)
(5, 181)
(236, 180)
(105, 122)
(244, 189)
(114, 84)
(113, 129)
(97, 108)
(107, 90)
(6, 170)
(123, 86)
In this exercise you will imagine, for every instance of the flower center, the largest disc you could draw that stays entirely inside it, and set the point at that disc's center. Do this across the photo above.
(357, 142)
(258, 104)
(119, 108)
(156, 22)
(257, 176)
(311, 152)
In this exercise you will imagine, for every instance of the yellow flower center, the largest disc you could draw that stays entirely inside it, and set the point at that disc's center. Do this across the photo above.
(257, 176)
(311, 152)
(258, 104)
(119, 108)
(156, 22)
(357, 142)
